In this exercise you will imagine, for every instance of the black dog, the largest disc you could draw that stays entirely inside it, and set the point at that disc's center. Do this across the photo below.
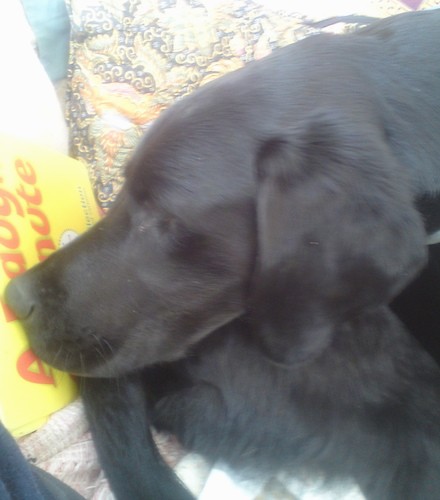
(238, 292)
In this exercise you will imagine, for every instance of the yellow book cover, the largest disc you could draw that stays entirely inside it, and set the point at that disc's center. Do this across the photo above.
(45, 201)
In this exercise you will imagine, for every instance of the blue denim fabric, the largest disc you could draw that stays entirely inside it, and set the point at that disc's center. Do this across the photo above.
(21, 481)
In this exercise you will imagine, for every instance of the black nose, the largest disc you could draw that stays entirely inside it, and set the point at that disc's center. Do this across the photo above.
(18, 296)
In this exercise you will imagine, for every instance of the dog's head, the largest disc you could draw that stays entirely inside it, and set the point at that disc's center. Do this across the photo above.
(225, 215)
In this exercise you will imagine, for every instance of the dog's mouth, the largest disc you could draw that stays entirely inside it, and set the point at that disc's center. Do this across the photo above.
(93, 356)
(81, 353)
(83, 356)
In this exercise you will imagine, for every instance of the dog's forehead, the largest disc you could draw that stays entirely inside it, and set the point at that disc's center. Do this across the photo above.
(191, 163)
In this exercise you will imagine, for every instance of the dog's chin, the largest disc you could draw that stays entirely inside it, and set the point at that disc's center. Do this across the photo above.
(87, 363)
(81, 367)
(94, 361)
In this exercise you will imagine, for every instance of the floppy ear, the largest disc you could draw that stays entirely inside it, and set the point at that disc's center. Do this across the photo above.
(337, 233)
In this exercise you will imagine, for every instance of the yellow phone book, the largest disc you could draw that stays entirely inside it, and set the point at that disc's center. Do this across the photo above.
(45, 201)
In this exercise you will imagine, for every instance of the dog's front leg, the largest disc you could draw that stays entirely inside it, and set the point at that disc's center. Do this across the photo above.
(120, 423)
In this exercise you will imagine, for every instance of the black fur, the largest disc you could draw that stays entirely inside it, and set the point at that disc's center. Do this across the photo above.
(241, 285)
